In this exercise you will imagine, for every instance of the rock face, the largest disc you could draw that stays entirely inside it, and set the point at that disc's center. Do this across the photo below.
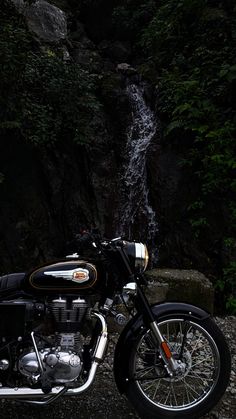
(57, 193)
(47, 21)
(61, 189)
(180, 285)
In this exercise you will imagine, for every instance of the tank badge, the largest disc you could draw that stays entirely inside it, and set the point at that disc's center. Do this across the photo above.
(81, 275)
(77, 275)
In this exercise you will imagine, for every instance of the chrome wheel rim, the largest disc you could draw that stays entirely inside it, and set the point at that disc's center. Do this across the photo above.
(198, 354)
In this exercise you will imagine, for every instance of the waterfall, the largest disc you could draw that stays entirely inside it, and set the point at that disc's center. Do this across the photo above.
(136, 216)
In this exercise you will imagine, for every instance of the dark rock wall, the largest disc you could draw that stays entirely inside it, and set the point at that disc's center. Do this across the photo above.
(49, 194)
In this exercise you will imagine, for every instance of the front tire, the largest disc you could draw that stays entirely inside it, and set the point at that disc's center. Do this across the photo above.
(205, 363)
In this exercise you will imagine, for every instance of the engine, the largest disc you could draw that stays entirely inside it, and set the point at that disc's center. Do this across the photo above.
(59, 366)
(68, 314)
(62, 361)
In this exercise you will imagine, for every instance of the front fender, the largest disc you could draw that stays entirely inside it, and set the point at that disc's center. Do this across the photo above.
(131, 330)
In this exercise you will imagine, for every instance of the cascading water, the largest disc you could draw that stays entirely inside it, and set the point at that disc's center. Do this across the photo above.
(136, 215)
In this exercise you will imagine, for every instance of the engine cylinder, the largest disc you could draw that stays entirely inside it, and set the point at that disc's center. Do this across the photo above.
(68, 314)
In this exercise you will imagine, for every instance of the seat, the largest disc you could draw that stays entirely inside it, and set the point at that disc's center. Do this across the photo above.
(11, 282)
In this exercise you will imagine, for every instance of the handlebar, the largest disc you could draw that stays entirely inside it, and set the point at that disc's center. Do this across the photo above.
(85, 241)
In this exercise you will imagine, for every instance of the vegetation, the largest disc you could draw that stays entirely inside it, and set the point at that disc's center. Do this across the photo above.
(192, 46)
(44, 98)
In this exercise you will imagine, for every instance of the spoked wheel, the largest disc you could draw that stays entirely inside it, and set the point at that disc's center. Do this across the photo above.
(204, 367)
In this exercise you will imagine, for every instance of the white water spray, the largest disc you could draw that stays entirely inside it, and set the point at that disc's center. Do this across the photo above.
(135, 208)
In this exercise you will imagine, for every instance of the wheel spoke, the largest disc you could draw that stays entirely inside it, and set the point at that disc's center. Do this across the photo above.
(198, 377)
(186, 389)
(167, 396)
(201, 362)
(144, 371)
(196, 344)
(192, 389)
(153, 382)
(173, 390)
(157, 387)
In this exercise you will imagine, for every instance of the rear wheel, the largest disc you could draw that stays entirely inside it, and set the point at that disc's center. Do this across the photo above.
(204, 361)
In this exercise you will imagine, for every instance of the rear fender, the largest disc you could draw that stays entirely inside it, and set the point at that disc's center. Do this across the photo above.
(132, 329)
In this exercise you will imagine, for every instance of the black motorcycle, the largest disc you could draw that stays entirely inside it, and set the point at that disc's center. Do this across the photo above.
(171, 360)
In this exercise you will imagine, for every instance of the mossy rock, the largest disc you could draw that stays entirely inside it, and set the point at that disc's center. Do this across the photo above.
(180, 285)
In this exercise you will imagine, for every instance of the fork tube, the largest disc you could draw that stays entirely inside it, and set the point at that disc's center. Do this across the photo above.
(143, 306)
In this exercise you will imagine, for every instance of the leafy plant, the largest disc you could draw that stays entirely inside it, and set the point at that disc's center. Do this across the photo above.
(44, 99)
(231, 305)
(59, 101)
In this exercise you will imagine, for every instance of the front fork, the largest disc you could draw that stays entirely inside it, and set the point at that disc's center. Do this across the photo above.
(143, 306)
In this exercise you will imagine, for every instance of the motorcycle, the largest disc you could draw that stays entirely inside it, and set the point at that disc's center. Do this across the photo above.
(171, 360)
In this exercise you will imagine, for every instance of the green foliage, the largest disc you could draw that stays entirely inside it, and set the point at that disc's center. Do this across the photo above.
(230, 272)
(131, 16)
(14, 46)
(59, 101)
(190, 49)
(44, 99)
(231, 305)
(227, 285)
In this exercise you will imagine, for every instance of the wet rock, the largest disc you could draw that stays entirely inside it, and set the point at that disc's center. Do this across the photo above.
(47, 21)
(126, 69)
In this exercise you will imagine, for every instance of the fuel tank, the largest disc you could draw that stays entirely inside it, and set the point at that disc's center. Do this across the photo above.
(63, 276)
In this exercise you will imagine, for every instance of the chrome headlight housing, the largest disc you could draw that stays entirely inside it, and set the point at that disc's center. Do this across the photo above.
(138, 255)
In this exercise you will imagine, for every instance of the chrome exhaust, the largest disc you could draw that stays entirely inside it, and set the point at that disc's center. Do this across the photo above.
(26, 394)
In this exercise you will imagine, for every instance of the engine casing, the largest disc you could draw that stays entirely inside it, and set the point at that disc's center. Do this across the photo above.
(60, 366)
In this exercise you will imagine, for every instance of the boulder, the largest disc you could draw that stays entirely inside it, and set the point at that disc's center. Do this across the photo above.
(180, 285)
(20, 4)
(47, 21)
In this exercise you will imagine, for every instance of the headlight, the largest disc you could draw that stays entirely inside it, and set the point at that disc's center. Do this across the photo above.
(138, 255)
(141, 256)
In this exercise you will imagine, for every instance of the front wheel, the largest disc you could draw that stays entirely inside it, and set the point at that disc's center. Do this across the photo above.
(204, 359)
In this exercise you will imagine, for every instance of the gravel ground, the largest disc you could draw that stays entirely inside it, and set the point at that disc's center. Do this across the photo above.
(102, 400)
